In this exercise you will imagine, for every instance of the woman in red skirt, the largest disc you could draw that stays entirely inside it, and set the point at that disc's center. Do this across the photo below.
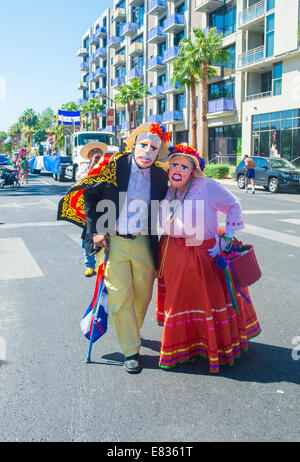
(194, 305)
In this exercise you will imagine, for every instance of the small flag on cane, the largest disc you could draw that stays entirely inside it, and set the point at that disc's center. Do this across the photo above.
(94, 322)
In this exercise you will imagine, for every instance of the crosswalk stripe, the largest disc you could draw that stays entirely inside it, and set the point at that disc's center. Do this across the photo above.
(76, 238)
(292, 221)
(16, 260)
(37, 224)
(281, 238)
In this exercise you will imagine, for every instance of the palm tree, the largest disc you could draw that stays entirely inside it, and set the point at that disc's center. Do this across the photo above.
(193, 65)
(15, 132)
(123, 97)
(3, 136)
(95, 107)
(29, 120)
(137, 92)
(71, 107)
(59, 137)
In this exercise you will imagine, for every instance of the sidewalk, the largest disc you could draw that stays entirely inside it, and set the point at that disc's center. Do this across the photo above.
(229, 181)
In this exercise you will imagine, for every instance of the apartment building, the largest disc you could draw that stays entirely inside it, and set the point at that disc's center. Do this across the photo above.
(254, 101)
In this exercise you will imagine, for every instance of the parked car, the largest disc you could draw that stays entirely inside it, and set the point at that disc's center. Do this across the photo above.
(4, 160)
(273, 173)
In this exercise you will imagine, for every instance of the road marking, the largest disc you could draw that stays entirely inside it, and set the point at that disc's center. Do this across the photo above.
(292, 221)
(16, 261)
(37, 224)
(281, 238)
(43, 203)
(270, 212)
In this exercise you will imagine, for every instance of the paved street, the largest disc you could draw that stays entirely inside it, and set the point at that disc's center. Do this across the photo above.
(49, 393)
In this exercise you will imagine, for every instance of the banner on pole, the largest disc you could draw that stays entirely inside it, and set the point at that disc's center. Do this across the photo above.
(68, 118)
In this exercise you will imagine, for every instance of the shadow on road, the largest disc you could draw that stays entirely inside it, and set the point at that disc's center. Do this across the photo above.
(261, 363)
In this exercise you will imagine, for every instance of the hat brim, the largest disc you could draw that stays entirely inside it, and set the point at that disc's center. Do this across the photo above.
(145, 128)
(197, 172)
(85, 150)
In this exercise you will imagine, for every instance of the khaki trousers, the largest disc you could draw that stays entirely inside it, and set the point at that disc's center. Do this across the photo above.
(129, 278)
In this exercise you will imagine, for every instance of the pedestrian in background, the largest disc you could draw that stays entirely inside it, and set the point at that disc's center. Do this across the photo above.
(249, 173)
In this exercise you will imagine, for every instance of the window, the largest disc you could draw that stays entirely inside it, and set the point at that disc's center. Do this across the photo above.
(179, 102)
(180, 9)
(266, 82)
(277, 79)
(270, 35)
(162, 48)
(162, 106)
(223, 89)
(270, 4)
(224, 19)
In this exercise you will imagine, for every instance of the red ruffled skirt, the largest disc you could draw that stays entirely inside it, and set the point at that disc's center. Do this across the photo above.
(194, 307)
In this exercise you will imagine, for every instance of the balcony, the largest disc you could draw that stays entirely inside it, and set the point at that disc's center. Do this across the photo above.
(82, 52)
(136, 49)
(113, 128)
(250, 18)
(135, 73)
(94, 40)
(156, 92)
(119, 60)
(265, 94)
(82, 86)
(174, 23)
(101, 92)
(119, 14)
(173, 117)
(168, 87)
(208, 6)
(92, 95)
(92, 59)
(102, 113)
(155, 119)
(136, 2)
(100, 72)
(114, 42)
(156, 35)
(221, 107)
(81, 101)
(100, 32)
(100, 53)
(91, 77)
(251, 57)
(170, 54)
(156, 7)
(129, 29)
(155, 64)
(118, 82)
(84, 67)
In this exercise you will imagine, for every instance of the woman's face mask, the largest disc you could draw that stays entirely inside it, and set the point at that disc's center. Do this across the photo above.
(146, 152)
(180, 172)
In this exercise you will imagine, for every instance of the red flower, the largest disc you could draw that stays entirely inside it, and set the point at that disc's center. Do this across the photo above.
(159, 130)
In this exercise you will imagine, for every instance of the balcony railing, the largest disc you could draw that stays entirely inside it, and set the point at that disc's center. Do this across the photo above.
(173, 116)
(264, 94)
(100, 32)
(101, 72)
(155, 119)
(94, 40)
(119, 14)
(118, 81)
(221, 105)
(84, 66)
(252, 13)
(251, 56)
(101, 91)
(119, 60)
(155, 63)
(136, 48)
(114, 41)
(130, 28)
(100, 52)
(171, 53)
(82, 86)
(174, 23)
(82, 52)
(207, 6)
(156, 7)
(157, 35)
(135, 73)
(168, 87)
(156, 90)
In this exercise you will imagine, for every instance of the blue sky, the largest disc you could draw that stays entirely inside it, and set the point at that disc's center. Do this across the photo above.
(38, 44)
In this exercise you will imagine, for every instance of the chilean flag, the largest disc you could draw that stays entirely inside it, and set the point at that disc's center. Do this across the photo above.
(97, 307)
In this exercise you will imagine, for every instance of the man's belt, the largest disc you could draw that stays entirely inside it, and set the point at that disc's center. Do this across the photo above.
(126, 236)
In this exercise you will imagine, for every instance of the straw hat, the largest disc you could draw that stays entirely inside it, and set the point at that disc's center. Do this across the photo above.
(155, 129)
(183, 150)
(85, 150)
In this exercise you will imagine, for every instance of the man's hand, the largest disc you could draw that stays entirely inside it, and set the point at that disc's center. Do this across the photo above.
(101, 240)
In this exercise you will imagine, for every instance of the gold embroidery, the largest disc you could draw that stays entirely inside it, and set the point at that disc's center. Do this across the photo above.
(69, 212)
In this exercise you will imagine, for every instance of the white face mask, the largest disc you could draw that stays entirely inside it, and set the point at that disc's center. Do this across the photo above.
(146, 152)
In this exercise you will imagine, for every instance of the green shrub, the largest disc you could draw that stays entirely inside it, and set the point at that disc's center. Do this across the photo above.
(217, 171)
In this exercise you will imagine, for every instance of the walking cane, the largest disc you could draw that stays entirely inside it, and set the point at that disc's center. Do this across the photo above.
(88, 359)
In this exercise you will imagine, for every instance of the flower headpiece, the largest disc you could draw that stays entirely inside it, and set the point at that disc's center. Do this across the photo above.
(186, 149)
(160, 130)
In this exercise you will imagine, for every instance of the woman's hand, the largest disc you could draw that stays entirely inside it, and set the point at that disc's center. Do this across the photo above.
(216, 249)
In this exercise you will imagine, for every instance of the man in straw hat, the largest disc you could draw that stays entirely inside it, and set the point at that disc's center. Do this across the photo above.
(129, 184)
(93, 153)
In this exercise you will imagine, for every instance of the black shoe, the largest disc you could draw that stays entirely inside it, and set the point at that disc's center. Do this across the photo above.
(131, 364)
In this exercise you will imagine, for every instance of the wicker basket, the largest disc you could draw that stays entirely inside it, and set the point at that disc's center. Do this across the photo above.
(245, 267)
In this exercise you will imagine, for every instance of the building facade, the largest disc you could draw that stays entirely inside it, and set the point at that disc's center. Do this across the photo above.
(253, 102)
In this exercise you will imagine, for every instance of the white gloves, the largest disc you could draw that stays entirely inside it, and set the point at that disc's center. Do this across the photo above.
(216, 249)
